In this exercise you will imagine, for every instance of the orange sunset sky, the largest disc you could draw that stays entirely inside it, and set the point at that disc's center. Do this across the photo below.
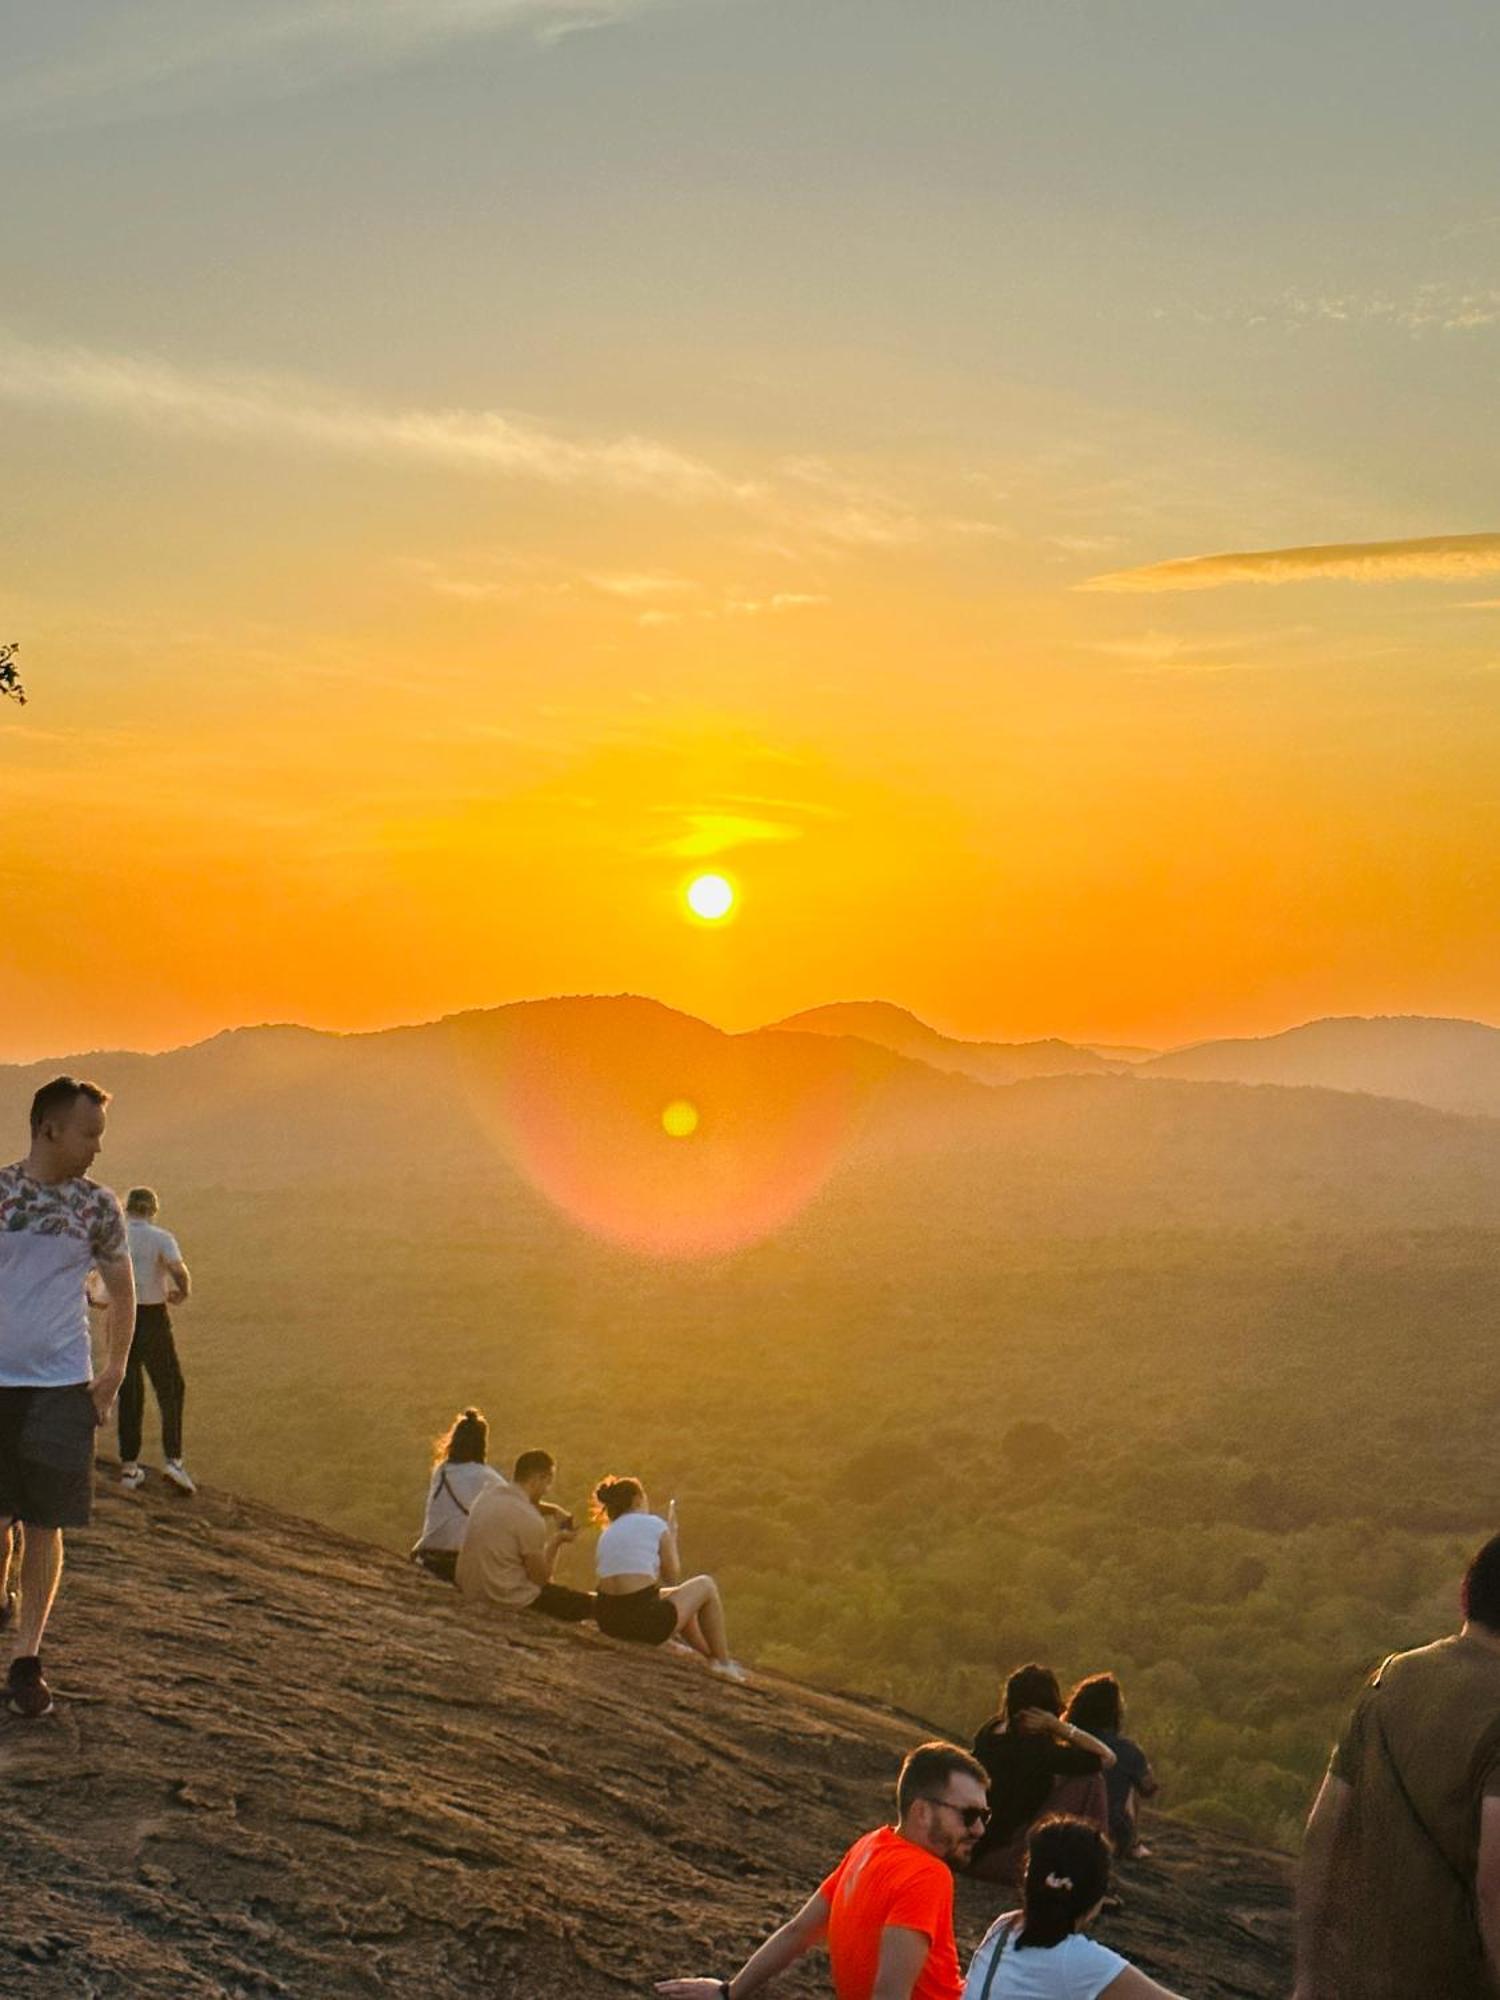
(1014, 485)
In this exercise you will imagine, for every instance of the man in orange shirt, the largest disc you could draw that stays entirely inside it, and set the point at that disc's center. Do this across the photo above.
(886, 1911)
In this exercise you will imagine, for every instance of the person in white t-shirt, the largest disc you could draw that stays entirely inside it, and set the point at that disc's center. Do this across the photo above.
(460, 1474)
(54, 1224)
(641, 1593)
(161, 1281)
(1040, 1952)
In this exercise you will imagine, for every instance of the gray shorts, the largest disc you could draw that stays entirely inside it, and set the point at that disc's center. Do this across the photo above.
(47, 1456)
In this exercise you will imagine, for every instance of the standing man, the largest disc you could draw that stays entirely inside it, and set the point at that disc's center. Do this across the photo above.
(1399, 1890)
(510, 1547)
(54, 1224)
(161, 1281)
(886, 1911)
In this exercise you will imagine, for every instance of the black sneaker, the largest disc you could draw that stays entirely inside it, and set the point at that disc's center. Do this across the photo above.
(28, 1693)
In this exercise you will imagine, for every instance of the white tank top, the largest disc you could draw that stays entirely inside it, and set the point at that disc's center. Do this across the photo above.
(631, 1546)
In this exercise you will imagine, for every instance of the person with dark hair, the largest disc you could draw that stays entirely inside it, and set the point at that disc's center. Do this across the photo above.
(459, 1475)
(1097, 1706)
(638, 1572)
(885, 1913)
(1038, 1763)
(1399, 1887)
(1041, 1952)
(509, 1549)
(162, 1280)
(55, 1225)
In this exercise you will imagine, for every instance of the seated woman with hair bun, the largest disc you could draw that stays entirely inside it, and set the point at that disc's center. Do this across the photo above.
(640, 1592)
(1040, 1952)
(459, 1475)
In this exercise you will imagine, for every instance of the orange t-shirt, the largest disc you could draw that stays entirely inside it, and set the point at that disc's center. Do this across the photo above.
(886, 1879)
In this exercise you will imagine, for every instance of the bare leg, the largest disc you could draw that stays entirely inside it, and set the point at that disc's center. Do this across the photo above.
(41, 1573)
(698, 1601)
(7, 1546)
(692, 1631)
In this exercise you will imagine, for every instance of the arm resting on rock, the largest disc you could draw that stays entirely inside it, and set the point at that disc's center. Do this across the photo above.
(781, 1949)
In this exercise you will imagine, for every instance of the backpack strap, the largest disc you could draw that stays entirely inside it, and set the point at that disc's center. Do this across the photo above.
(1410, 1803)
(994, 1964)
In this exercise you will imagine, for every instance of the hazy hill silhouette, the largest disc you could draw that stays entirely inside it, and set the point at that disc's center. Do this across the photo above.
(894, 1028)
(1451, 1065)
(566, 1099)
(284, 1763)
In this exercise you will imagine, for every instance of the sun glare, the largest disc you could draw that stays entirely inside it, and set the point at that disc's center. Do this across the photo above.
(680, 1119)
(711, 897)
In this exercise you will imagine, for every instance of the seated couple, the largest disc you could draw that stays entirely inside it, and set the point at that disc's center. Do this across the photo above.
(1045, 1759)
(497, 1539)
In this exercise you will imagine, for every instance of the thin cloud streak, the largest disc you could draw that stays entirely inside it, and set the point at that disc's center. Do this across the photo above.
(177, 53)
(1435, 558)
(259, 411)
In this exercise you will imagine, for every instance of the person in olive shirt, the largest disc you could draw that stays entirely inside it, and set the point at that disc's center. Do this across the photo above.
(1399, 1890)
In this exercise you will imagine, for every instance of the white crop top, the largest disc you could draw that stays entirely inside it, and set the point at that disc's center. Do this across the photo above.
(631, 1546)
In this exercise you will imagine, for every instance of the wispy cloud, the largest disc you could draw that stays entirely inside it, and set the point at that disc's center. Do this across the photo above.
(259, 409)
(1441, 558)
(708, 834)
(156, 55)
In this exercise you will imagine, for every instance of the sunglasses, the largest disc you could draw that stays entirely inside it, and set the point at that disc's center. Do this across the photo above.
(975, 1818)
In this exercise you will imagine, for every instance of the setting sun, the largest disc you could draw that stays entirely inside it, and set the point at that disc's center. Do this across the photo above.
(711, 897)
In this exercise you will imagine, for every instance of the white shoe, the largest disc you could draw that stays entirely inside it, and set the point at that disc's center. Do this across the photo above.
(179, 1475)
(728, 1670)
(132, 1476)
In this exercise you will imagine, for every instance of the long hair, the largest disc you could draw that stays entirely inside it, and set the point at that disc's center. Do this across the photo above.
(614, 1496)
(1066, 1875)
(1032, 1687)
(465, 1442)
(1095, 1705)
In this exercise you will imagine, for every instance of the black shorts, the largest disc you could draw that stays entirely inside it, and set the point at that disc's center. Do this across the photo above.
(555, 1600)
(642, 1615)
(47, 1456)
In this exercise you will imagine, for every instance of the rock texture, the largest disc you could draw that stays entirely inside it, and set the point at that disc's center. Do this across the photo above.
(284, 1763)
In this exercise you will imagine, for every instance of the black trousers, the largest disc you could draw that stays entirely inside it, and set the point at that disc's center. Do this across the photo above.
(153, 1352)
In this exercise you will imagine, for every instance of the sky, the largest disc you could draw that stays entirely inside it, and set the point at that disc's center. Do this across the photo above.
(1011, 483)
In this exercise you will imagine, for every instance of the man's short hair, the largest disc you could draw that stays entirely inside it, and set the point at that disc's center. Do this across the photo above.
(57, 1098)
(141, 1201)
(1480, 1596)
(530, 1463)
(928, 1768)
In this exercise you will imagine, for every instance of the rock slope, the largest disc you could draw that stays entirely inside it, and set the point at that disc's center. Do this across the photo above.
(284, 1763)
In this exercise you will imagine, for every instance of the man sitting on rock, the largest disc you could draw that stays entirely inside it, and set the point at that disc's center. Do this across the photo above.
(886, 1911)
(510, 1546)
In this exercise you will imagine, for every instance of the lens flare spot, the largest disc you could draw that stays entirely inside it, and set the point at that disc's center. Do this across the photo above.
(680, 1119)
(711, 897)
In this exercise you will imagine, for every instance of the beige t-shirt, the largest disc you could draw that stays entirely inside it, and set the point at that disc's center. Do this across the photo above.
(504, 1526)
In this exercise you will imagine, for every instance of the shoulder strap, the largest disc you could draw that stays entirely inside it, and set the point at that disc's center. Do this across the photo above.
(994, 1964)
(1410, 1803)
(446, 1488)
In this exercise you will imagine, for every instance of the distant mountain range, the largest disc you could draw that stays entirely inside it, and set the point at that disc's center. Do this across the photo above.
(893, 1028)
(1451, 1065)
(656, 1130)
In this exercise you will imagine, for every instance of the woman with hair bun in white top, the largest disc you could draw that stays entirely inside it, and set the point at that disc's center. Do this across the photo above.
(640, 1592)
(1040, 1952)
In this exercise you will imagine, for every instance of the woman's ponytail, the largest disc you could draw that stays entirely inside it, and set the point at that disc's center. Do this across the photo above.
(1066, 1876)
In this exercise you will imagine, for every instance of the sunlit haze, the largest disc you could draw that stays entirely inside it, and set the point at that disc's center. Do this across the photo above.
(1007, 487)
